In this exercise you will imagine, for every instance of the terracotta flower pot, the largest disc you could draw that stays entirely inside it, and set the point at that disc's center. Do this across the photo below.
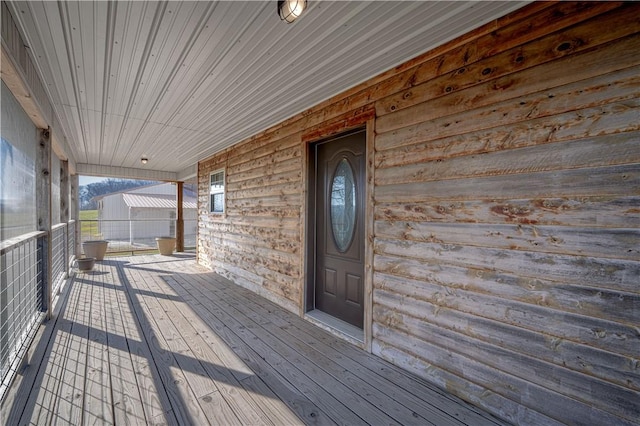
(166, 245)
(95, 248)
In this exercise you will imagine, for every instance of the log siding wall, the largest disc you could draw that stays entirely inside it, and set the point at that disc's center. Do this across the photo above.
(506, 213)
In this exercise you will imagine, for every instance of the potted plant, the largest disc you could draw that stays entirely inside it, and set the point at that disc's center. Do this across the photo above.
(166, 245)
(95, 248)
(86, 263)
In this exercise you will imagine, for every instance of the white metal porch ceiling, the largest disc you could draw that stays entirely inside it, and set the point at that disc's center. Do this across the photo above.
(179, 81)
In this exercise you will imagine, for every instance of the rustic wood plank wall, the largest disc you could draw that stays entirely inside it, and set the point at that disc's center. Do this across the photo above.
(257, 242)
(506, 230)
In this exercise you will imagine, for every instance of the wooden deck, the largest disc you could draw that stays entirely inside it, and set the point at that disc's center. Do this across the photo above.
(160, 340)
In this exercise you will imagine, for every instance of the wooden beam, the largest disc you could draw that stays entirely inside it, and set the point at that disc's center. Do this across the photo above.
(73, 197)
(74, 183)
(15, 82)
(43, 209)
(369, 235)
(64, 210)
(179, 218)
(65, 191)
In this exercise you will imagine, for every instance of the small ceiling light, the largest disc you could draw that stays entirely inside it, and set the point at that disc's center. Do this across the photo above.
(144, 160)
(290, 10)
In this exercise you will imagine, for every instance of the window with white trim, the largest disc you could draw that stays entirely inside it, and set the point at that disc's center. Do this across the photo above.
(216, 192)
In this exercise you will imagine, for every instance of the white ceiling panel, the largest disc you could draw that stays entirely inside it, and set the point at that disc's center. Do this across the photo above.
(179, 81)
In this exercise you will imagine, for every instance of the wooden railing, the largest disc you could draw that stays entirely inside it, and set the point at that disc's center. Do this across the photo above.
(135, 235)
(22, 296)
(24, 291)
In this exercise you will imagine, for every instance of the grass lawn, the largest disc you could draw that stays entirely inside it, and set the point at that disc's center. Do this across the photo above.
(89, 224)
(88, 214)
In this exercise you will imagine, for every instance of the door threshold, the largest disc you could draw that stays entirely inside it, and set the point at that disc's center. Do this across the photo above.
(336, 327)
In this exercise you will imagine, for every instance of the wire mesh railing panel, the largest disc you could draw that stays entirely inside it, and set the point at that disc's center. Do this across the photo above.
(190, 233)
(131, 235)
(58, 254)
(71, 241)
(21, 304)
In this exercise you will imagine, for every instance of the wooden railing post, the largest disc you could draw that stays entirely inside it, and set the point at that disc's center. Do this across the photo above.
(64, 212)
(179, 218)
(74, 208)
(43, 212)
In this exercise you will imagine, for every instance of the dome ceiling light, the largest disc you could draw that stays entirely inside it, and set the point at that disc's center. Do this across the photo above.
(290, 10)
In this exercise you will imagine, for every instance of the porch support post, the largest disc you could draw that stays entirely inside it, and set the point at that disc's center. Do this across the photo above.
(74, 207)
(43, 212)
(64, 192)
(64, 212)
(179, 218)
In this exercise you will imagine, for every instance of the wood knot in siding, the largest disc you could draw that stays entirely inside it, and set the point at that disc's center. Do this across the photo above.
(514, 213)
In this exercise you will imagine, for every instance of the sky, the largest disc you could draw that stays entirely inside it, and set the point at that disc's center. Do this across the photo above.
(86, 180)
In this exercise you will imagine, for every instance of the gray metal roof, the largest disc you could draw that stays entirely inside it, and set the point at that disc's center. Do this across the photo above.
(156, 201)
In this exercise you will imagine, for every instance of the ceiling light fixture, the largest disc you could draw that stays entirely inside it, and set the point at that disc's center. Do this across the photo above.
(144, 160)
(290, 10)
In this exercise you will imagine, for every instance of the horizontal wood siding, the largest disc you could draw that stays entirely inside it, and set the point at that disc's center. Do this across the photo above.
(256, 242)
(506, 203)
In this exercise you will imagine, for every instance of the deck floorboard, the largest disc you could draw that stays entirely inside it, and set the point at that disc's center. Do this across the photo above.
(160, 340)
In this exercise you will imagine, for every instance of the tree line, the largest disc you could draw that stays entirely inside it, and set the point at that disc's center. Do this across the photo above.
(87, 193)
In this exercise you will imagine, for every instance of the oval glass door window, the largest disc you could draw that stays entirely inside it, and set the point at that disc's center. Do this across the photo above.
(343, 205)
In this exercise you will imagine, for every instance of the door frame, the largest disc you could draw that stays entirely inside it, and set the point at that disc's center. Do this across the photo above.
(308, 234)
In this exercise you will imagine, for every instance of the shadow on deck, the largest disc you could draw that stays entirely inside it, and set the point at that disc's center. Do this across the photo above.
(161, 340)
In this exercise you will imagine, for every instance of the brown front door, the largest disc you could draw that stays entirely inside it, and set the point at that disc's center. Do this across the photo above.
(339, 185)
